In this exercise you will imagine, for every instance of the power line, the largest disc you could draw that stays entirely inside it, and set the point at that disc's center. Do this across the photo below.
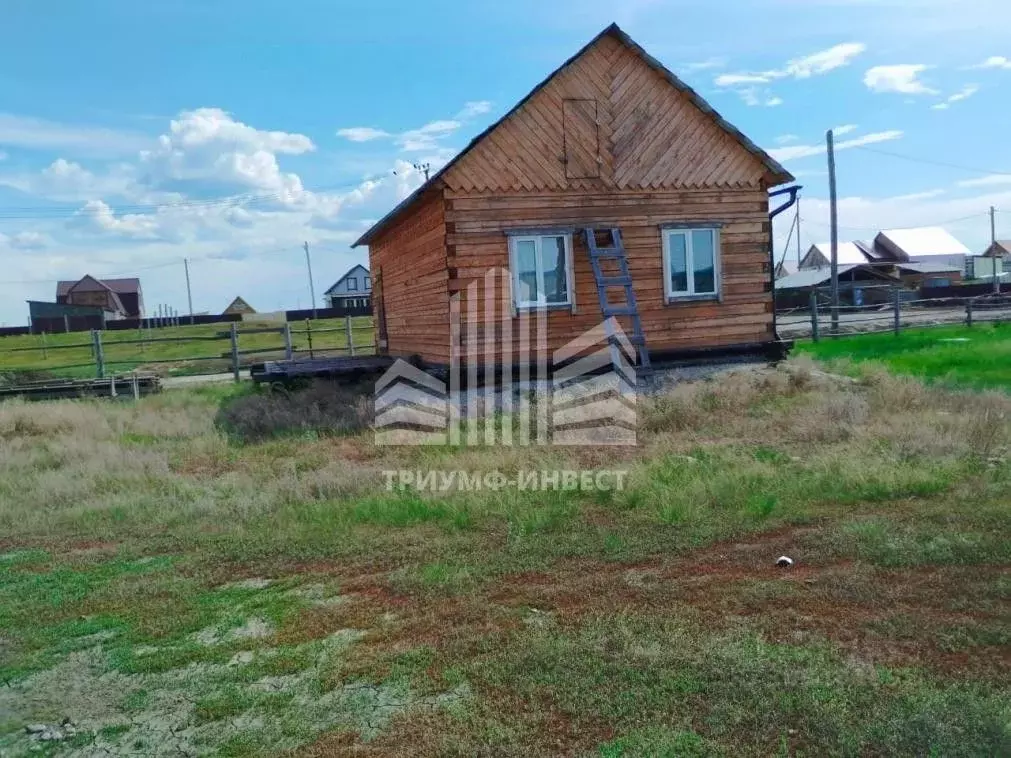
(31, 213)
(167, 264)
(806, 220)
(931, 161)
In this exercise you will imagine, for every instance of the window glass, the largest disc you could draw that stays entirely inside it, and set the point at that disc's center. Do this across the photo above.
(703, 261)
(553, 265)
(678, 262)
(526, 270)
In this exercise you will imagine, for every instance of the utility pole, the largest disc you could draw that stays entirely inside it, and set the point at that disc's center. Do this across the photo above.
(423, 167)
(993, 248)
(312, 287)
(798, 230)
(834, 221)
(189, 292)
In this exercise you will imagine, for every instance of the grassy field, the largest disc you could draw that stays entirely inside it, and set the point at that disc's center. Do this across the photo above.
(174, 591)
(45, 353)
(978, 356)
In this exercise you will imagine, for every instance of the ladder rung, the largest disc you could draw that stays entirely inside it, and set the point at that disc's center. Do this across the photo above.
(614, 281)
(607, 252)
(620, 310)
(636, 338)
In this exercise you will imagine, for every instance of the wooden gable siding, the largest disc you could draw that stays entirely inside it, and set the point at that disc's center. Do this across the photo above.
(410, 257)
(649, 135)
(476, 239)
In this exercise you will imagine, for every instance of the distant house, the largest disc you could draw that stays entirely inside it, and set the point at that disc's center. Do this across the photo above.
(918, 274)
(117, 298)
(929, 244)
(1000, 249)
(820, 255)
(353, 290)
(240, 306)
(785, 268)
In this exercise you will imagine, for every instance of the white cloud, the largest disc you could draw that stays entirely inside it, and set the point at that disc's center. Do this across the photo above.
(96, 216)
(26, 240)
(705, 65)
(39, 134)
(844, 129)
(995, 61)
(207, 145)
(901, 78)
(963, 94)
(427, 136)
(786, 139)
(362, 133)
(860, 217)
(815, 64)
(472, 109)
(752, 96)
(734, 80)
(69, 181)
(824, 61)
(370, 199)
(793, 152)
(986, 181)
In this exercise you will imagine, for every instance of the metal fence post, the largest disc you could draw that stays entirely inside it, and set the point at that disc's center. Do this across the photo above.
(308, 334)
(968, 311)
(814, 316)
(350, 337)
(897, 298)
(96, 346)
(234, 334)
(286, 332)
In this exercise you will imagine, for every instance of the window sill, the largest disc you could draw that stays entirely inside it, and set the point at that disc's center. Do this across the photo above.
(678, 299)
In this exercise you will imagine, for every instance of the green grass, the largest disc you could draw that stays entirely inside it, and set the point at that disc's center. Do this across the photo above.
(978, 356)
(160, 580)
(52, 352)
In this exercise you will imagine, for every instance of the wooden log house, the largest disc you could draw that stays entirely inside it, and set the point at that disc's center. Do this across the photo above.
(610, 140)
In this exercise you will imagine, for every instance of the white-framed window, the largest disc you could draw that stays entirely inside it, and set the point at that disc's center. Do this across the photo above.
(691, 263)
(541, 266)
(368, 282)
(352, 284)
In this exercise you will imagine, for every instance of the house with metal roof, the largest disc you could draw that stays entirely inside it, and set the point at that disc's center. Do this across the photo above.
(353, 290)
(120, 298)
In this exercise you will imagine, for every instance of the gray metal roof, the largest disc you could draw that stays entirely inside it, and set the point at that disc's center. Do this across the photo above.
(780, 174)
(921, 241)
(849, 252)
(809, 277)
(928, 267)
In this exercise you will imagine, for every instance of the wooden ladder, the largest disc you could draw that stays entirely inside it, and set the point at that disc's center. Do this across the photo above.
(616, 252)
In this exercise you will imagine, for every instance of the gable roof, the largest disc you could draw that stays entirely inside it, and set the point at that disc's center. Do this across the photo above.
(347, 273)
(239, 305)
(921, 241)
(91, 284)
(781, 174)
(119, 286)
(1002, 247)
(848, 252)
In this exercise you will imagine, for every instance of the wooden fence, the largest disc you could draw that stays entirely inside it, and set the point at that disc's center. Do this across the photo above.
(233, 351)
(819, 319)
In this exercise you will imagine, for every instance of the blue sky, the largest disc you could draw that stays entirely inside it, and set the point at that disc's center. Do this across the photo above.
(124, 125)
